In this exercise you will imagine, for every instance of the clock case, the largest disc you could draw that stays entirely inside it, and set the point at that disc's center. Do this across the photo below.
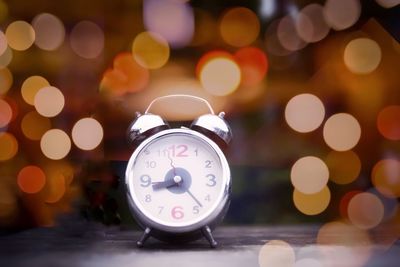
(215, 131)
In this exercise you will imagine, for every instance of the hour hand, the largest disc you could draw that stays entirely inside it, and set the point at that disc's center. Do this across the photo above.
(167, 183)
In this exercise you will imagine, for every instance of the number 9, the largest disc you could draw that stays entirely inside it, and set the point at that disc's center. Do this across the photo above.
(145, 180)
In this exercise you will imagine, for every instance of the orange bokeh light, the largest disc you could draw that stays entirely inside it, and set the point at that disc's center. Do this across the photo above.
(253, 64)
(5, 113)
(125, 76)
(388, 122)
(210, 56)
(8, 146)
(386, 177)
(31, 179)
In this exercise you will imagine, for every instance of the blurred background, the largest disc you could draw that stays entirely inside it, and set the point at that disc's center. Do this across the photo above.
(311, 90)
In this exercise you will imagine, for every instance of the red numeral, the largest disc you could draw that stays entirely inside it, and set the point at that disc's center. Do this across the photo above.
(182, 152)
(177, 212)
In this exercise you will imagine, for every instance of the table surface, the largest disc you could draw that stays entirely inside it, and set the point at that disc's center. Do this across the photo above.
(97, 245)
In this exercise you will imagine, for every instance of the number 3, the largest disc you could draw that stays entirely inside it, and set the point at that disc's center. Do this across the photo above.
(212, 180)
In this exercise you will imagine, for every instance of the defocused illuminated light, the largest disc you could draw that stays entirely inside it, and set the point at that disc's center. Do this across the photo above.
(31, 179)
(365, 210)
(49, 31)
(150, 50)
(87, 39)
(312, 204)
(343, 244)
(61, 167)
(206, 29)
(220, 76)
(31, 86)
(239, 27)
(344, 202)
(253, 64)
(5, 113)
(6, 57)
(126, 76)
(8, 146)
(55, 144)
(49, 101)
(304, 113)
(308, 263)
(173, 20)
(311, 25)
(344, 167)
(34, 125)
(388, 3)
(390, 205)
(309, 175)
(210, 56)
(6, 80)
(388, 122)
(273, 45)
(268, 8)
(276, 253)
(20, 35)
(342, 132)
(287, 34)
(3, 11)
(3, 43)
(55, 188)
(362, 55)
(386, 177)
(342, 14)
(87, 133)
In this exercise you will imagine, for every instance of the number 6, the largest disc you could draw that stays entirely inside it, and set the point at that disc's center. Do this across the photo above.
(177, 212)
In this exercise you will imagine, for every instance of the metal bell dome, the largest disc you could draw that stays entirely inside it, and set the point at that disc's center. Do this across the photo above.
(214, 124)
(144, 126)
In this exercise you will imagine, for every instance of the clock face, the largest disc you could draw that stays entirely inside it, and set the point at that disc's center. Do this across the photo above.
(178, 178)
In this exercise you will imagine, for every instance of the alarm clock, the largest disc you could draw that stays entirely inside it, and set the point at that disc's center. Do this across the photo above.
(178, 181)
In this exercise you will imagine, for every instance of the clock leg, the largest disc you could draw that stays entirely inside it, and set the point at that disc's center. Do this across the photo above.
(208, 235)
(146, 234)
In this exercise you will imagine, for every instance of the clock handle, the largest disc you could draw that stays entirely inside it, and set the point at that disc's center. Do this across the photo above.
(180, 96)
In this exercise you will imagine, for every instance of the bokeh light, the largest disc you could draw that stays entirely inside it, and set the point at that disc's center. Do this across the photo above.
(390, 205)
(309, 175)
(365, 210)
(6, 80)
(388, 3)
(61, 167)
(5, 113)
(87, 40)
(388, 122)
(276, 253)
(304, 113)
(344, 202)
(287, 34)
(55, 187)
(173, 20)
(3, 43)
(3, 11)
(31, 179)
(342, 14)
(239, 27)
(8, 146)
(6, 58)
(87, 133)
(344, 167)
(55, 144)
(342, 132)
(150, 50)
(206, 29)
(20, 35)
(253, 64)
(386, 177)
(343, 244)
(217, 82)
(50, 31)
(31, 86)
(312, 204)
(49, 101)
(33, 125)
(362, 55)
(125, 76)
(311, 25)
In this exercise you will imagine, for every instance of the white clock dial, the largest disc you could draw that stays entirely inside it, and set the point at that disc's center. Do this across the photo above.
(177, 179)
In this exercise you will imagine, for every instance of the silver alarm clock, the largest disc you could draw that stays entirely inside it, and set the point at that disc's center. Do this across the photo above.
(178, 181)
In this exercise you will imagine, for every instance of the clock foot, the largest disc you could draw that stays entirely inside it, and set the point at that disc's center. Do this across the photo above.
(208, 235)
(146, 234)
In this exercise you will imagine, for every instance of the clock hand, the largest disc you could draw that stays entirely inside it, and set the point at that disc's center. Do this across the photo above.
(168, 183)
(194, 198)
